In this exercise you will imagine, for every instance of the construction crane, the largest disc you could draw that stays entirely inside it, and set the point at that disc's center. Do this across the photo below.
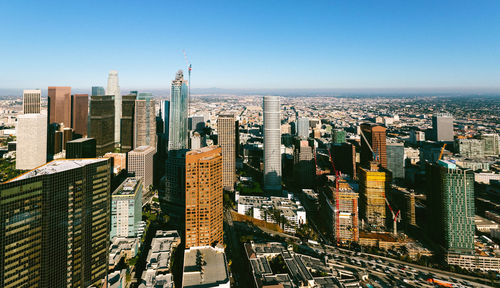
(189, 68)
(396, 217)
(442, 151)
(375, 155)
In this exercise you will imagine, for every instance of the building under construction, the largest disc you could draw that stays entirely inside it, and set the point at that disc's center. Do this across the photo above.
(374, 182)
(340, 211)
(373, 144)
(404, 200)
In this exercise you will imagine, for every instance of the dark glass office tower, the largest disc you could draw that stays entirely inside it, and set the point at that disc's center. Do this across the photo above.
(396, 159)
(79, 113)
(127, 122)
(102, 123)
(98, 91)
(178, 126)
(81, 148)
(58, 215)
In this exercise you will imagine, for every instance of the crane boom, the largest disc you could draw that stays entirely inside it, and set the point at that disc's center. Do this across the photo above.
(442, 151)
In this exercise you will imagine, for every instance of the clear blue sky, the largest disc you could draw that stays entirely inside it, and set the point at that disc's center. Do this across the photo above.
(256, 44)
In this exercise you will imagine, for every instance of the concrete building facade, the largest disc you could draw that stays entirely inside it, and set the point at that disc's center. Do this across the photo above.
(31, 101)
(272, 143)
(114, 90)
(31, 150)
(227, 141)
(140, 162)
(126, 208)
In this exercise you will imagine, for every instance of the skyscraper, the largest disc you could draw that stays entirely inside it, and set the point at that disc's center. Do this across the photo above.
(114, 90)
(303, 128)
(442, 127)
(64, 232)
(451, 207)
(204, 213)
(79, 113)
(31, 101)
(304, 167)
(101, 126)
(98, 91)
(165, 106)
(126, 208)
(31, 150)
(227, 139)
(178, 128)
(374, 181)
(272, 143)
(344, 158)
(396, 159)
(140, 162)
(338, 136)
(81, 148)
(375, 135)
(60, 105)
(127, 123)
(491, 144)
(144, 121)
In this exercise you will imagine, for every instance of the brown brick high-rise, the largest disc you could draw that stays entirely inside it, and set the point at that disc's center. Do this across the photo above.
(60, 105)
(204, 214)
(375, 135)
(79, 113)
(227, 141)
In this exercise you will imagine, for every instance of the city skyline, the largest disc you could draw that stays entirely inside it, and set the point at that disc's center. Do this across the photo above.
(324, 45)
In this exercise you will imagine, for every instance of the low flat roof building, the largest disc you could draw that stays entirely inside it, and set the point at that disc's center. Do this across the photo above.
(205, 266)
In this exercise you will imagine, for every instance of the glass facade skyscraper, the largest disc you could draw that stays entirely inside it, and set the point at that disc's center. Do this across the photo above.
(98, 91)
(178, 126)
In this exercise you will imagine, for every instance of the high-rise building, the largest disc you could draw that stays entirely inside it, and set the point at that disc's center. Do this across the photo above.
(98, 91)
(178, 126)
(374, 182)
(81, 148)
(471, 148)
(31, 101)
(101, 126)
(396, 159)
(304, 167)
(173, 199)
(60, 105)
(442, 127)
(127, 122)
(204, 213)
(144, 121)
(126, 208)
(196, 123)
(194, 140)
(227, 142)
(58, 215)
(303, 128)
(338, 136)
(272, 143)
(344, 158)
(165, 107)
(67, 134)
(375, 135)
(416, 135)
(340, 211)
(491, 143)
(114, 90)
(79, 113)
(140, 162)
(451, 207)
(31, 150)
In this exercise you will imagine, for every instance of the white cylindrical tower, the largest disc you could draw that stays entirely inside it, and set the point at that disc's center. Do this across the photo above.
(272, 143)
(114, 89)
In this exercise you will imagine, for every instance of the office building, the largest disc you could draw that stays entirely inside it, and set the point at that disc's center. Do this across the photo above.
(101, 126)
(205, 267)
(396, 160)
(375, 135)
(416, 135)
(140, 162)
(67, 135)
(470, 148)
(114, 90)
(165, 108)
(339, 209)
(338, 136)
(203, 197)
(272, 143)
(303, 128)
(442, 127)
(98, 91)
(194, 140)
(227, 142)
(304, 166)
(374, 182)
(178, 128)
(60, 105)
(81, 148)
(64, 232)
(126, 208)
(450, 207)
(175, 179)
(31, 101)
(196, 123)
(127, 122)
(144, 121)
(344, 158)
(491, 144)
(31, 150)
(79, 113)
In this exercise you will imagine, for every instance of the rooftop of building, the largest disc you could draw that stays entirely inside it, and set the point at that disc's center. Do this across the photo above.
(204, 266)
(142, 149)
(57, 166)
(80, 140)
(128, 187)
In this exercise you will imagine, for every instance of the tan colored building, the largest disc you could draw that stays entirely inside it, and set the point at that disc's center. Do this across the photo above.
(203, 197)
(31, 101)
(60, 105)
(227, 141)
(140, 162)
(374, 181)
(119, 161)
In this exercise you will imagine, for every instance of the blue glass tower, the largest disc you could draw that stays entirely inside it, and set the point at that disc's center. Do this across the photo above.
(98, 91)
(178, 124)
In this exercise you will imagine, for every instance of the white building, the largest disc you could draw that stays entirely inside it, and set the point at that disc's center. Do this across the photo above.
(31, 101)
(114, 89)
(31, 150)
(205, 267)
(140, 162)
(126, 208)
(272, 143)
